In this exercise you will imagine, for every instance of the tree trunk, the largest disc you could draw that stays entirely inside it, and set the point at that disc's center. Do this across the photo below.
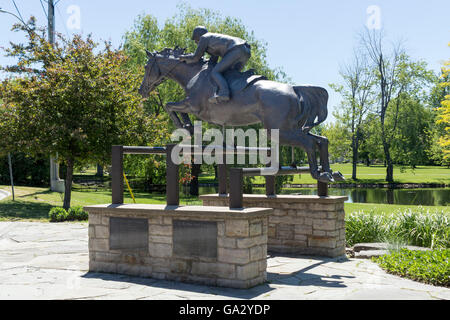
(388, 161)
(390, 171)
(68, 184)
(354, 156)
(193, 186)
(99, 170)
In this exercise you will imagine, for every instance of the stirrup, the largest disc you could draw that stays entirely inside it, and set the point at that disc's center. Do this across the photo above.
(218, 98)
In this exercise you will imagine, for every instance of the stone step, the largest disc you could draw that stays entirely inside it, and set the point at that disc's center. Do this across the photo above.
(376, 249)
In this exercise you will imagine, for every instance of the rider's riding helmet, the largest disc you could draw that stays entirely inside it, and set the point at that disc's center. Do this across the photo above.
(198, 32)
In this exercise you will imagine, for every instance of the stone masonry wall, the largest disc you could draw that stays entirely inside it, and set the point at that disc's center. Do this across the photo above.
(299, 224)
(241, 246)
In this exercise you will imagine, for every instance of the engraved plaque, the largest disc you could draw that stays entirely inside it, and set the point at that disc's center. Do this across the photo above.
(195, 238)
(128, 234)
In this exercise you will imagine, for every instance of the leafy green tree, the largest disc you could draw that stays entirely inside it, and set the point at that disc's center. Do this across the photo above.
(27, 170)
(411, 141)
(358, 95)
(396, 76)
(340, 139)
(443, 118)
(370, 148)
(74, 98)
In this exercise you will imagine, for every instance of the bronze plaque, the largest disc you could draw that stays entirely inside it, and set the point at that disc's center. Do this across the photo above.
(128, 234)
(195, 238)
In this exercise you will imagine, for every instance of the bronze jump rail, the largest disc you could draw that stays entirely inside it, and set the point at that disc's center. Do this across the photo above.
(172, 173)
(237, 175)
(172, 169)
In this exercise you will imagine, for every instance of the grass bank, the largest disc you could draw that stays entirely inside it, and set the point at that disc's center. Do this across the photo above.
(33, 203)
(375, 174)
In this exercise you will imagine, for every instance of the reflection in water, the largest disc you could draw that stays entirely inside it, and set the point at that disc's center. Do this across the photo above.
(425, 197)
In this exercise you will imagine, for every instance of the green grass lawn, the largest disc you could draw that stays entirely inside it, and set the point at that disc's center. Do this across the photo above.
(34, 203)
(372, 174)
(381, 208)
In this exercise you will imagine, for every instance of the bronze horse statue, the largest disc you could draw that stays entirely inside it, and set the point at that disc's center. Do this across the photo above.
(294, 110)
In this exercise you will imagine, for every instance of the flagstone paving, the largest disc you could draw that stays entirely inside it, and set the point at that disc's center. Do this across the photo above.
(50, 261)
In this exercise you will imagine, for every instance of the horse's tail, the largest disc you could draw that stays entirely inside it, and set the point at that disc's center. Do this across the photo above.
(313, 102)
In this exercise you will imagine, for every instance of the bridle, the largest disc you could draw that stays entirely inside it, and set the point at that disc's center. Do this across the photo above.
(163, 77)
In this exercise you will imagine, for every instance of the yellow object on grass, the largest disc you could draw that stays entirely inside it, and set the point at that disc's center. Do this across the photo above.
(129, 188)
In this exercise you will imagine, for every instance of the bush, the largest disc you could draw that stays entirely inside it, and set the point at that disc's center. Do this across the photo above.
(77, 213)
(57, 214)
(425, 266)
(413, 227)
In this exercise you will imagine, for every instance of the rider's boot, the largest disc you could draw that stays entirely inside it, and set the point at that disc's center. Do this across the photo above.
(224, 94)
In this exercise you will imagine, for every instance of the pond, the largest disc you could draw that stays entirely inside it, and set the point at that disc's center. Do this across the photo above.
(424, 196)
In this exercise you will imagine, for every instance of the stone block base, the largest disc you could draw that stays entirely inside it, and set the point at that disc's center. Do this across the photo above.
(299, 224)
(168, 242)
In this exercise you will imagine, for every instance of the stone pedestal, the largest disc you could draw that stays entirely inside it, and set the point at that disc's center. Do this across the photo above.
(299, 224)
(207, 245)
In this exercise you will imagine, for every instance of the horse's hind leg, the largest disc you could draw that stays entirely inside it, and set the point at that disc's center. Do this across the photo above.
(308, 143)
(322, 144)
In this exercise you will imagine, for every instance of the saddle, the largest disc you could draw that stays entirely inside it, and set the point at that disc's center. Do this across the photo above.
(238, 81)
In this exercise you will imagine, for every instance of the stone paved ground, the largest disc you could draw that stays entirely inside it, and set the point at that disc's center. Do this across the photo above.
(50, 261)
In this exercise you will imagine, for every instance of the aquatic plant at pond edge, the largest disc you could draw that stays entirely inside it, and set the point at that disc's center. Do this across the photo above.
(412, 226)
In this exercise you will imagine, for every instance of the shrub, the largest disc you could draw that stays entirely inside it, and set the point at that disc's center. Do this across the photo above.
(425, 266)
(364, 227)
(77, 213)
(57, 214)
(413, 227)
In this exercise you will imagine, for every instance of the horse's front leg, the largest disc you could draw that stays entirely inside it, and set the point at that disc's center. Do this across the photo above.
(182, 107)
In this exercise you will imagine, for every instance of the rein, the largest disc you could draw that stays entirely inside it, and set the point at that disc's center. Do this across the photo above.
(163, 76)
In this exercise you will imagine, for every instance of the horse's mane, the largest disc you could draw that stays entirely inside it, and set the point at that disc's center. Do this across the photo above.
(174, 53)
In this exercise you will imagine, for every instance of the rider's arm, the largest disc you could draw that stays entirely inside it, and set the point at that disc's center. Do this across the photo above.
(213, 59)
(201, 48)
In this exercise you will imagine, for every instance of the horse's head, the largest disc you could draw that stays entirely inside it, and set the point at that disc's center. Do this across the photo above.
(153, 76)
(164, 60)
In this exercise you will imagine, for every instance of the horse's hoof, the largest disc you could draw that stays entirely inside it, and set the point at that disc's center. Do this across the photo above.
(325, 177)
(338, 176)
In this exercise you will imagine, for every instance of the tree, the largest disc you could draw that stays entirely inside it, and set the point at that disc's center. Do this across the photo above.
(358, 95)
(411, 140)
(444, 114)
(73, 98)
(396, 75)
(370, 148)
(340, 141)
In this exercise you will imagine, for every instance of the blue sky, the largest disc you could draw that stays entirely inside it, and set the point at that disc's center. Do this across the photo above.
(309, 40)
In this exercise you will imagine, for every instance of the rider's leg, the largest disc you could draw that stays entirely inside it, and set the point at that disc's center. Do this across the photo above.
(228, 60)
(243, 58)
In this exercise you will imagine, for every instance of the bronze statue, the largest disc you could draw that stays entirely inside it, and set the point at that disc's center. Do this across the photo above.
(234, 52)
(294, 110)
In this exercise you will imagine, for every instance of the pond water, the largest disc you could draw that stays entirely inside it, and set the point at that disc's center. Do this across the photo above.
(424, 196)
